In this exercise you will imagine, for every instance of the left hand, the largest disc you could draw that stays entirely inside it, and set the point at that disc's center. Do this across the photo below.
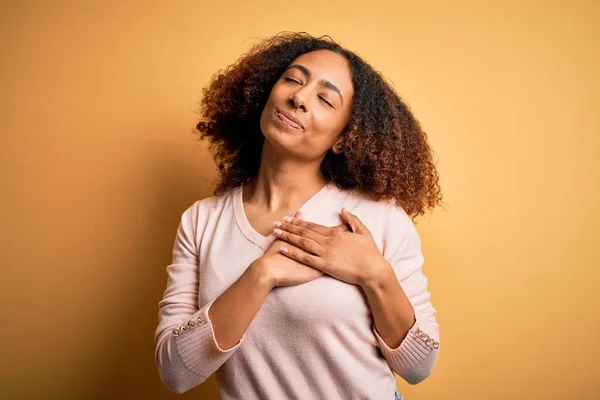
(352, 257)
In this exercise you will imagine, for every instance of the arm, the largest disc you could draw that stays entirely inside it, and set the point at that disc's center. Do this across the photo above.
(192, 343)
(396, 289)
(405, 325)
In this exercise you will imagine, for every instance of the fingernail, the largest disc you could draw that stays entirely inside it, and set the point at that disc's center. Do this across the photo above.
(278, 231)
(288, 219)
(277, 224)
(285, 250)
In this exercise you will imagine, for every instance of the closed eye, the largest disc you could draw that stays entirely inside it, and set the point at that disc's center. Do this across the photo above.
(328, 103)
(288, 79)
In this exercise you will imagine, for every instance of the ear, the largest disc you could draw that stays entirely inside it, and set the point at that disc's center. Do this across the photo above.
(338, 146)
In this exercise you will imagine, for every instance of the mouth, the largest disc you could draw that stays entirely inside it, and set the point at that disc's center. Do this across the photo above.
(289, 120)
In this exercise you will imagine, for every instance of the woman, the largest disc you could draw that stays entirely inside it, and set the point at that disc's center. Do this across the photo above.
(327, 304)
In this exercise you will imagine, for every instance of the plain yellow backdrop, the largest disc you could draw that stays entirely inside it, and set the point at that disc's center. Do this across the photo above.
(98, 161)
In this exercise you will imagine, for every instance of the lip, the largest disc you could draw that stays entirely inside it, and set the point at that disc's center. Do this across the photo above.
(286, 115)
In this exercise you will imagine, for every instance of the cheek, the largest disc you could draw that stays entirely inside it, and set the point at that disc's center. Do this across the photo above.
(277, 94)
(328, 127)
(268, 109)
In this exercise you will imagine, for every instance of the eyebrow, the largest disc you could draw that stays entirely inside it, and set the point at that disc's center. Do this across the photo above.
(322, 82)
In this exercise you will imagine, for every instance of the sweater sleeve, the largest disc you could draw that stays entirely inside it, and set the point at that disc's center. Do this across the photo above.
(416, 356)
(186, 351)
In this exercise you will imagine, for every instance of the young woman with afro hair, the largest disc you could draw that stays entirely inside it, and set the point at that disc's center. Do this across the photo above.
(301, 278)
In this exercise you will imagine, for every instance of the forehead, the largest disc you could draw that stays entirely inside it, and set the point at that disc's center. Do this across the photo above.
(325, 64)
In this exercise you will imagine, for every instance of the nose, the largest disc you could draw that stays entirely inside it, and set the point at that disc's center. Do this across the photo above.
(298, 99)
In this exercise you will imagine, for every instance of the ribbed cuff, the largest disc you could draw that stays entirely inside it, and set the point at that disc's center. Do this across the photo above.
(198, 348)
(415, 349)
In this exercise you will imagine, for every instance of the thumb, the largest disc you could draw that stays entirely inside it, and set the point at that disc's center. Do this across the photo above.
(355, 224)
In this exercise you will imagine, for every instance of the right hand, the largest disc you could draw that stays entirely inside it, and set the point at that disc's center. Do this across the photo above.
(283, 271)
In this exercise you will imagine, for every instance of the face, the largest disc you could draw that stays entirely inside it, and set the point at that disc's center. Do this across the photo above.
(309, 105)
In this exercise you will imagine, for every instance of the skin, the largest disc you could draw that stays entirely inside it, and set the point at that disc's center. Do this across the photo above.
(317, 90)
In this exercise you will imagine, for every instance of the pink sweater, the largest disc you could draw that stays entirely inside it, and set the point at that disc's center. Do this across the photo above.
(311, 341)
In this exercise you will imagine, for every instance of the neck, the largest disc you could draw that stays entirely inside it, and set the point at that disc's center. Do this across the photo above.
(283, 182)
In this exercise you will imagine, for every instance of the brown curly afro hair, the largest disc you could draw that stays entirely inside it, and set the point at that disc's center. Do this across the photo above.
(385, 152)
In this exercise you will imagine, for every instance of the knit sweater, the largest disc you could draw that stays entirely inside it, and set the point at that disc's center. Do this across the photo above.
(315, 340)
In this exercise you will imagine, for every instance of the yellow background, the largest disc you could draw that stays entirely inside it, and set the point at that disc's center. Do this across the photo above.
(98, 161)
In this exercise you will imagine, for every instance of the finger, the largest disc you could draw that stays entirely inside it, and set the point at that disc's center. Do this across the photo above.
(303, 257)
(342, 227)
(354, 222)
(303, 243)
(300, 231)
(320, 229)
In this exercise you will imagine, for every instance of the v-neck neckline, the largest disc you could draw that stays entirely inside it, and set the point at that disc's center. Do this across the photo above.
(248, 230)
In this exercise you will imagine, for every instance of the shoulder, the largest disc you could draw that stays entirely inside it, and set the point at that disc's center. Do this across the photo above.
(202, 209)
(389, 223)
(384, 213)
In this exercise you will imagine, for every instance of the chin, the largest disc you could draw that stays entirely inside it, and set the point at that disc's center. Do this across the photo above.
(278, 141)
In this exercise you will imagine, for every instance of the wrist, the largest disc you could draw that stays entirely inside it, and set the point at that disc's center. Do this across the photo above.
(379, 274)
(261, 275)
